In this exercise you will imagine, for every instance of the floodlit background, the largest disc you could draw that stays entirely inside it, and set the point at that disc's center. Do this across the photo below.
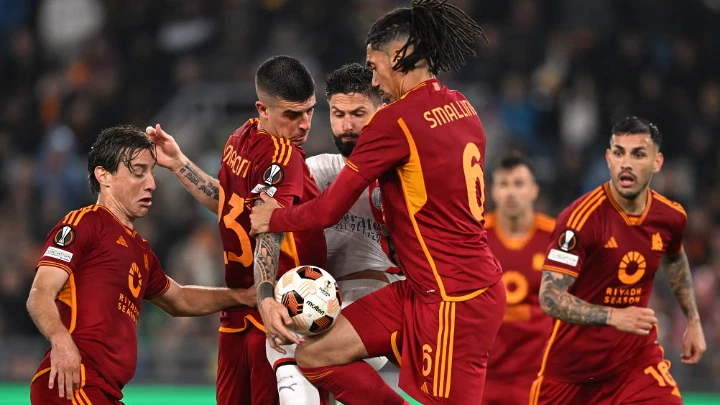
(555, 76)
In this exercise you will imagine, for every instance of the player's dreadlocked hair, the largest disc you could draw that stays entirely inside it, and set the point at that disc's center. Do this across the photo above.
(637, 125)
(439, 33)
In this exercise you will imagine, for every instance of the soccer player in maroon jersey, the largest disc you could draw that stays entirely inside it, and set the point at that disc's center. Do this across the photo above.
(597, 280)
(264, 154)
(518, 237)
(95, 273)
(427, 150)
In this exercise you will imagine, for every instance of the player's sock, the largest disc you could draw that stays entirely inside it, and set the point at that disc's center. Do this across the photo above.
(293, 387)
(355, 384)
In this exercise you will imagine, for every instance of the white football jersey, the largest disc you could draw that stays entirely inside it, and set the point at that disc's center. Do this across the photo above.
(353, 244)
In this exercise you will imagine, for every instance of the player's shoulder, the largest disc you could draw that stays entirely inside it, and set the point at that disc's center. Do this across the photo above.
(667, 207)
(274, 150)
(544, 223)
(86, 216)
(583, 210)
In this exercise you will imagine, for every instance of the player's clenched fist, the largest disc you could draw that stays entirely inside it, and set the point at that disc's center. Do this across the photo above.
(635, 320)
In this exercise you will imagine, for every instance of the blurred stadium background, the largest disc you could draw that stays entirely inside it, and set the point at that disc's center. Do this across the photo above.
(554, 77)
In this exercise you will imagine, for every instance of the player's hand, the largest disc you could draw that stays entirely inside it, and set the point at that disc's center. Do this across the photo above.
(260, 215)
(167, 150)
(65, 364)
(694, 343)
(635, 320)
(276, 320)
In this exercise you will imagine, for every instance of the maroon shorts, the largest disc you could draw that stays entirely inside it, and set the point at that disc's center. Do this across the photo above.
(88, 394)
(508, 391)
(650, 383)
(244, 376)
(442, 347)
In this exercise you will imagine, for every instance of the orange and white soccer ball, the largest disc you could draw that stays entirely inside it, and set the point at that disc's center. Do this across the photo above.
(312, 298)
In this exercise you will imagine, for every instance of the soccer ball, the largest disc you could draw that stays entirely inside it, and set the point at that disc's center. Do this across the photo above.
(312, 298)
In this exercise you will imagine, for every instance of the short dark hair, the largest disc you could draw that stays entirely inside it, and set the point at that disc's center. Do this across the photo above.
(351, 78)
(439, 33)
(637, 125)
(118, 144)
(285, 77)
(515, 159)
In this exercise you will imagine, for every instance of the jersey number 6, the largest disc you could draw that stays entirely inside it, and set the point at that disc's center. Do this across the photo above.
(230, 220)
(475, 180)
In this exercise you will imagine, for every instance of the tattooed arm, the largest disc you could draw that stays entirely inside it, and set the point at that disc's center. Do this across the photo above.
(556, 301)
(275, 316)
(202, 186)
(677, 273)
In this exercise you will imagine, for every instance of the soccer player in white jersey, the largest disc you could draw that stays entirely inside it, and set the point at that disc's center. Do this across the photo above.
(358, 246)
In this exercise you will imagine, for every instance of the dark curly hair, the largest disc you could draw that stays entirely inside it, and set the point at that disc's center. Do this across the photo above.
(351, 78)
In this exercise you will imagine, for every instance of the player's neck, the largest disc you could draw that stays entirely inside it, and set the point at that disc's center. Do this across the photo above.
(115, 208)
(516, 227)
(413, 78)
(632, 207)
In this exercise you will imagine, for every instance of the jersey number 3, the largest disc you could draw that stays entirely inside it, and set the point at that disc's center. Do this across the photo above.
(237, 205)
(475, 180)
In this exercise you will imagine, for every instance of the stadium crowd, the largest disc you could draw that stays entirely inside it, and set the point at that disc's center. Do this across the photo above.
(551, 81)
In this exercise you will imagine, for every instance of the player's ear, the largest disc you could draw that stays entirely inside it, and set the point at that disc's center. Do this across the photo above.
(102, 176)
(262, 109)
(535, 190)
(607, 156)
(657, 164)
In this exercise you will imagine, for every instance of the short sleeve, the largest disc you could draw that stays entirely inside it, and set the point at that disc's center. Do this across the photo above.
(382, 145)
(68, 242)
(678, 231)
(568, 247)
(281, 173)
(158, 281)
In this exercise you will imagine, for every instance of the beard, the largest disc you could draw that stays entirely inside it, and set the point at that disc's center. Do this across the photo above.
(345, 148)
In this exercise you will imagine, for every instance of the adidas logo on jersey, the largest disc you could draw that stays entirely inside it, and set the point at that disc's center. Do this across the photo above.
(121, 241)
(611, 243)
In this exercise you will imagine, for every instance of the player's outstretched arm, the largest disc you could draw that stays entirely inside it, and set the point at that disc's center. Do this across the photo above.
(202, 186)
(192, 300)
(556, 301)
(677, 273)
(275, 316)
(64, 354)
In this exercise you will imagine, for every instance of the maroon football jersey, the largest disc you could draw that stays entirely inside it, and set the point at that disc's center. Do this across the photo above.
(254, 160)
(614, 257)
(427, 150)
(112, 269)
(525, 327)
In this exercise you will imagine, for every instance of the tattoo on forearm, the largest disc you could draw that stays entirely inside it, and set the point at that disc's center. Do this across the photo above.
(560, 304)
(199, 180)
(677, 273)
(267, 254)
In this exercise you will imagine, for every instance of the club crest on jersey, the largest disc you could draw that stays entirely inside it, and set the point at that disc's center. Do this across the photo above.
(65, 236)
(273, 175)
(567, 241)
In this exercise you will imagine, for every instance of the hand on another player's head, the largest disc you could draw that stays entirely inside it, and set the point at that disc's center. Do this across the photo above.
(260, 215)
(636, 320)
(167, 150)
(694, 343)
